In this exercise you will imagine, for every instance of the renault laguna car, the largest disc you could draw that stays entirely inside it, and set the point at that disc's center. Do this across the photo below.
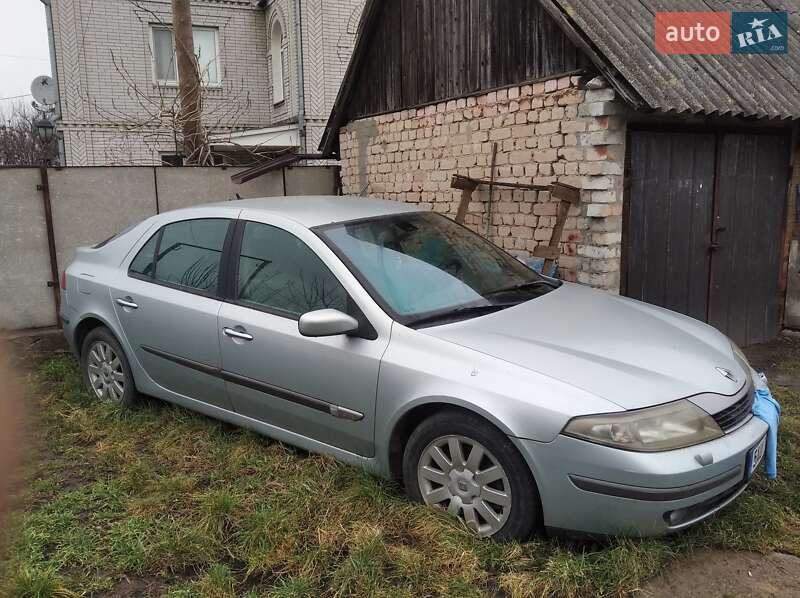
(397, 340)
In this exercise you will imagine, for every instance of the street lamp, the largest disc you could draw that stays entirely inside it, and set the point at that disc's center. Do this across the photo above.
(45, 130)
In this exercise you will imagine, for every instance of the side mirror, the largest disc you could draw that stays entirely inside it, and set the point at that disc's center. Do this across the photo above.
(326, 322)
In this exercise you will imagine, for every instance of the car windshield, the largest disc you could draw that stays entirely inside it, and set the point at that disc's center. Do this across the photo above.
(426, 269)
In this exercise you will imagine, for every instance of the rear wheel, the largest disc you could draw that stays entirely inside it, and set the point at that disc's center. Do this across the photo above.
(106, 371)
(459, 462)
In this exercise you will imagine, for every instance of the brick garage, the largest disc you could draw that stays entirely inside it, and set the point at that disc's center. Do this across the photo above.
(682, 162)
(546, 131)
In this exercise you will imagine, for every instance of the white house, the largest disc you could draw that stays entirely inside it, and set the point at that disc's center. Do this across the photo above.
(271, 70)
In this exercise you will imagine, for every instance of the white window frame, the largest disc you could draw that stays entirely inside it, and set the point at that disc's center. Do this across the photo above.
(278, 72)
(174, 83)
(153, 60)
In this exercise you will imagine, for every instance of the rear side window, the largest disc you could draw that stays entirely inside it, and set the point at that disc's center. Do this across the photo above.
(277, 271)
(185, 254)
(189, 253)
(142, 264)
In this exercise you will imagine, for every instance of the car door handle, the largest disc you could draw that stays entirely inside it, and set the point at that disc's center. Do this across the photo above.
(128, 302)
(238, 332)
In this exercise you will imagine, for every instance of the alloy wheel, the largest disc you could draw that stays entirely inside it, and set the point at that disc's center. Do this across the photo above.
(460, 475)
(105, 372)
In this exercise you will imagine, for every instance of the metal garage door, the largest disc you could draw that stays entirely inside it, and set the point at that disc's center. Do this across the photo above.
(705, 216)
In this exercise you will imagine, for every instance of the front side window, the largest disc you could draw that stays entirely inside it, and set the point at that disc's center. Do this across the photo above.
(278, 272)
(205, 50)
(185, 254)
(424, 267)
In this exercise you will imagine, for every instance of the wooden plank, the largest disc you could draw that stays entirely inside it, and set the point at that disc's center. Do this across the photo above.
(562, 191)
(492, 164)
(463, 205)
(669, 214)
(750, 203)
(558, 230)
(698, 235)
(474, 39)
(461, 178)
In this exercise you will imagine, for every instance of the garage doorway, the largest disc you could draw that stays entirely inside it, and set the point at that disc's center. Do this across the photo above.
(705, 215)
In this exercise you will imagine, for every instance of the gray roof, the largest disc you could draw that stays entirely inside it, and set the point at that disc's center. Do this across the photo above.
(316, 210)
(620, 33)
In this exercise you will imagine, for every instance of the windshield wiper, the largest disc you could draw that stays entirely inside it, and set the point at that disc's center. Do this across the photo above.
(466, 310)
(524, 285)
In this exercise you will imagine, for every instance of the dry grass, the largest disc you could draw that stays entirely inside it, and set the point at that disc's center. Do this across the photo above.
(193, 507)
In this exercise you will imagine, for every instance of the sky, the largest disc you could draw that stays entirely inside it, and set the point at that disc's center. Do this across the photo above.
(24, 52)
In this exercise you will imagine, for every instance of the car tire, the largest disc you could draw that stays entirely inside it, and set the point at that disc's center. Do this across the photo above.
(105, 368)
(473, 493)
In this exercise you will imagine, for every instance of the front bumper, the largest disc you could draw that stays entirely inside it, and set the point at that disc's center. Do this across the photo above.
(595, 489)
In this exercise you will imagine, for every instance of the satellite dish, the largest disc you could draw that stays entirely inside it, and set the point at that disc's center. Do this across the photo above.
(43, 90)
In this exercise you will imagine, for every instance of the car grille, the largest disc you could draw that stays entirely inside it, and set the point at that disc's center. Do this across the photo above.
(731, 417)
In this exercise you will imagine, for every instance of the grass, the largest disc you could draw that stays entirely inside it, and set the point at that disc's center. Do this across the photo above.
(171, 503)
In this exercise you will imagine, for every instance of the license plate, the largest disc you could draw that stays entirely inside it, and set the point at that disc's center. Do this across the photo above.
(755, 456)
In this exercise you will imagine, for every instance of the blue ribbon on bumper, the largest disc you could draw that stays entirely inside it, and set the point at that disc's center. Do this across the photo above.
(765, 407)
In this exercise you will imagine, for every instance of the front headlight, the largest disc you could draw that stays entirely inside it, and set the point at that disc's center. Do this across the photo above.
(662, 428)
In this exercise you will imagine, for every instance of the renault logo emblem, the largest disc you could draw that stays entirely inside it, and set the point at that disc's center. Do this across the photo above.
(728, 374)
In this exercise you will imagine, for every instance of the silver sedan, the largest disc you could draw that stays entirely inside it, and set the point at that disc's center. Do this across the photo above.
(400, 341)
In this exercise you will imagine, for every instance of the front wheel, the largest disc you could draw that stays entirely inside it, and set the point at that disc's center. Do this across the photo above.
(106, 372)
(459, 462)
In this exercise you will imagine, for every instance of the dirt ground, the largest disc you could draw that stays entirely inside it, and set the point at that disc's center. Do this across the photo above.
(712, 574)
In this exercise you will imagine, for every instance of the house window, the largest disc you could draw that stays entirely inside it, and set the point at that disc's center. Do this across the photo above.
(171, 159)
(165, 69)
(278, 56)
(164, 56)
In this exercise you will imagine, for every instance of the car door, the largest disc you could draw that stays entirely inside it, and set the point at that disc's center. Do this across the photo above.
(167, 303)
(322, 388)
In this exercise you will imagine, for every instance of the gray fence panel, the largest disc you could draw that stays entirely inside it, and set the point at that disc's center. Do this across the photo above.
(311, 180)
(184, 187)
(25, 299)
(91, 204)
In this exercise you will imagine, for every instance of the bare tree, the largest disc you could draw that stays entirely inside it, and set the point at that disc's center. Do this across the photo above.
(19, 143)
(156, 116)
(189, 83)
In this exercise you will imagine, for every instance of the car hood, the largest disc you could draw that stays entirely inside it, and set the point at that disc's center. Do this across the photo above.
(627, 352)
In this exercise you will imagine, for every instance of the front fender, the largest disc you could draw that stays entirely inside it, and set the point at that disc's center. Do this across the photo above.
(419, 369)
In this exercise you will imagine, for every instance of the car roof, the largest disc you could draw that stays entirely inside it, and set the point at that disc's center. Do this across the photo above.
(316, 210)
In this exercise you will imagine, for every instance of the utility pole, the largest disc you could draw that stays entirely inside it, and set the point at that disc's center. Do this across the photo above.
(188, 81)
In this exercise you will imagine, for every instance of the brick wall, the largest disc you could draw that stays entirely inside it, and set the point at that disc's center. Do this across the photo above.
(545, 132)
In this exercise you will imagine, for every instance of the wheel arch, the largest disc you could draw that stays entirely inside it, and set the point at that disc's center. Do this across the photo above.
(88, 323)
(414, 414)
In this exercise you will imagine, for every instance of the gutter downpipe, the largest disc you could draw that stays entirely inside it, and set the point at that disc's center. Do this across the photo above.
(51, 39)
(301, 96)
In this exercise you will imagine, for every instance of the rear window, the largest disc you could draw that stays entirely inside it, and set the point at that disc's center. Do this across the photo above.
(112, 237)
